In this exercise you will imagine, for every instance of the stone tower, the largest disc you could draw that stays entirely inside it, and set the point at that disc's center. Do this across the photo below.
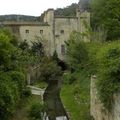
(83, 14)
(49, 18)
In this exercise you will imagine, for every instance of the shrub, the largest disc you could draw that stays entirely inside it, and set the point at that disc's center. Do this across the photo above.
(108, 72)
(19, 79)
(49, 70)
(69, 78)
(37, 111)
(26, 92)
(9, 96)
(77, 54)
(66, 77)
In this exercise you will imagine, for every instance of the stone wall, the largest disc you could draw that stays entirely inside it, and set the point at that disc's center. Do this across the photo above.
(63, 29)
(34, 34)
(54, 30)
(97, 111)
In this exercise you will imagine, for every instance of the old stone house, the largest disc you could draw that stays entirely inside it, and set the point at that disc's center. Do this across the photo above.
(54, 30)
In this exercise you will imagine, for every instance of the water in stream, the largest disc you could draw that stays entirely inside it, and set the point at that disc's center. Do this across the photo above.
(52, 100)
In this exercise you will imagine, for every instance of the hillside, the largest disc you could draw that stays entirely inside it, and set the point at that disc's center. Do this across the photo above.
(84, 5)
(17, 18)
(67, 11)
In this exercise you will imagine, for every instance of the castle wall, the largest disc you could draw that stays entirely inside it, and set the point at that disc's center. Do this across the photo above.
(50, 19)
(63, 29)
(97, 110)
(32, 33)
(84, 24)
(54, 30)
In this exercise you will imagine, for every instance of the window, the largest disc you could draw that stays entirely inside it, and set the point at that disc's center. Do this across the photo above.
(56, 36)
(41, 31)
(27, 31)
(62, 31)
(62, 49)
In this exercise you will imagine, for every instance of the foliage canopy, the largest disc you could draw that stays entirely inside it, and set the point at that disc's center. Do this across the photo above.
(106, 13)
(108, 72)
(77, 54)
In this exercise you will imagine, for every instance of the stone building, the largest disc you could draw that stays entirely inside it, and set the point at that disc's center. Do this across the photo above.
(54, 30)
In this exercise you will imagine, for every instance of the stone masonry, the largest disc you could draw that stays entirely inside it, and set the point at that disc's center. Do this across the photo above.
(97, 111)
(53, 30)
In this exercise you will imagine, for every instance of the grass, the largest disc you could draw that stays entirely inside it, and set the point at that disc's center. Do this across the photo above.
(41, 84)
(76, 97)
(21, 112)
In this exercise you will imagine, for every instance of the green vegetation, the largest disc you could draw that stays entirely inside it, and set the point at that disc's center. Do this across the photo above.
(67, 11)
(41, 84)
(37, 111)
(14, 62)
(75, 92)
(76, 59)
(108, 83)
(12, 76)
(49, 70)
(18, 18)
(105, 14)
(76, 96)
(84, 5)
(24, 107)
(85, 59)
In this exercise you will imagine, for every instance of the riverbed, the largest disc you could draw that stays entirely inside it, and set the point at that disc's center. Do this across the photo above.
(51, 97)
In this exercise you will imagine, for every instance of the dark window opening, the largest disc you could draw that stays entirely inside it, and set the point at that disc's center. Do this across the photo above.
(41, 31)
(62, 31)
(62, 49)
(56, 35)
(27, 31)
(62, 64)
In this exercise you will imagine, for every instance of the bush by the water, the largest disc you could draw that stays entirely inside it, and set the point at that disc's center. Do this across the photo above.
(37, 111)
(49, 70)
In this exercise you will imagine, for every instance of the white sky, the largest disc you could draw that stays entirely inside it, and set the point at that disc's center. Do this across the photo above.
(31, 7)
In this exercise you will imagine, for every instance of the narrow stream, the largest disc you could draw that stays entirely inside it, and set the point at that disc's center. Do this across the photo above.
(52, 100)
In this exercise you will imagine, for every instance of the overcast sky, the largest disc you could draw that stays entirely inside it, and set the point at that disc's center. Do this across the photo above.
(31, 7)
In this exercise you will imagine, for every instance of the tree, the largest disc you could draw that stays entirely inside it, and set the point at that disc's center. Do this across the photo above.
(49, 70)
(67, 11)
(106, 13)
(6, 51)
(37, 48)
(12, 77)
(77, 54)
(108, 64)
(59, 62)
(24, 45)
(37, 111)
(9, 96)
